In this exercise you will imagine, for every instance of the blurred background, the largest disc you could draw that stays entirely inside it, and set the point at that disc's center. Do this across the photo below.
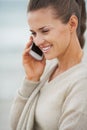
(14, 33)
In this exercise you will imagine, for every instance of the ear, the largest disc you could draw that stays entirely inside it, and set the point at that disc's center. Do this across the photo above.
(73, 23)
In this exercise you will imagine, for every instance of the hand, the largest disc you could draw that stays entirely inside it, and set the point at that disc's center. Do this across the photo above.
(33, 68)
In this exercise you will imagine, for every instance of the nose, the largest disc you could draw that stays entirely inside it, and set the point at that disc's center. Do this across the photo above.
(39, 40)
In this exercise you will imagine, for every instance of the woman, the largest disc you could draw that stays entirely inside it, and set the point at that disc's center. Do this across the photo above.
(57, 99)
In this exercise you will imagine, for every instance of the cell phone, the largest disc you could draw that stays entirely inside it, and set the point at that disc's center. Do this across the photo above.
(35, 52)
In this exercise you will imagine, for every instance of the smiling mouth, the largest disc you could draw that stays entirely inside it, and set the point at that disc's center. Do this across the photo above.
(46, 49)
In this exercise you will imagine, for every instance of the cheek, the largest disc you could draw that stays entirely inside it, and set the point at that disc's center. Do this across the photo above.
(63, 40)
(59, 37)
(64, 36)
(61, 34)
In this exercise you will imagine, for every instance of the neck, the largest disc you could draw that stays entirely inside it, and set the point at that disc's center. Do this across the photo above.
(71, 57)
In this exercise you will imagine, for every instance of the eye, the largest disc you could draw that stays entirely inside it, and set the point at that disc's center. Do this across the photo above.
(33, 33)
(45, 31)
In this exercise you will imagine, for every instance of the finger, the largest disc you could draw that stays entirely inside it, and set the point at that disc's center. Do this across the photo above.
(29, 43)
(26, 52)
(31, 38)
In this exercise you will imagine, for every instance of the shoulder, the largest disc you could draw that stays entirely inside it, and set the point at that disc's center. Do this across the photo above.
(82, 67)
(79, 71)
(77, 79)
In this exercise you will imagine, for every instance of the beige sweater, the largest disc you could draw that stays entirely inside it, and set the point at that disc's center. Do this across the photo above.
(57, 105)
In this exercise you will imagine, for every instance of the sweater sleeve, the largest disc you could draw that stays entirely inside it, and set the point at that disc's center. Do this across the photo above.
(74, 111)
(20, 100)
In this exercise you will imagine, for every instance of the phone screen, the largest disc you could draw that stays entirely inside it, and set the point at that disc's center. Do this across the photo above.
(36, 49)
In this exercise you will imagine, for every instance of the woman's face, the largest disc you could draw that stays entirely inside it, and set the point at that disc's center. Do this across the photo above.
(49, 33)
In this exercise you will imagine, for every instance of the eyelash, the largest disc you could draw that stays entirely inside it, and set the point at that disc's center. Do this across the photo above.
(43, 31)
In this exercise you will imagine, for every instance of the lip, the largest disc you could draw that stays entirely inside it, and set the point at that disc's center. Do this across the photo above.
(45, 49)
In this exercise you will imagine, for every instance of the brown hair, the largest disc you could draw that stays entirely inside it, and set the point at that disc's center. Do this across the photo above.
(64, 9)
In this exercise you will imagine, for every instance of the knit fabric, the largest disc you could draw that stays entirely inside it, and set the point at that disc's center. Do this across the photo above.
(60, 104)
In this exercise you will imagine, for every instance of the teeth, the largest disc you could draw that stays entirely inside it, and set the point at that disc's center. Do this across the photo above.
(46, 49)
